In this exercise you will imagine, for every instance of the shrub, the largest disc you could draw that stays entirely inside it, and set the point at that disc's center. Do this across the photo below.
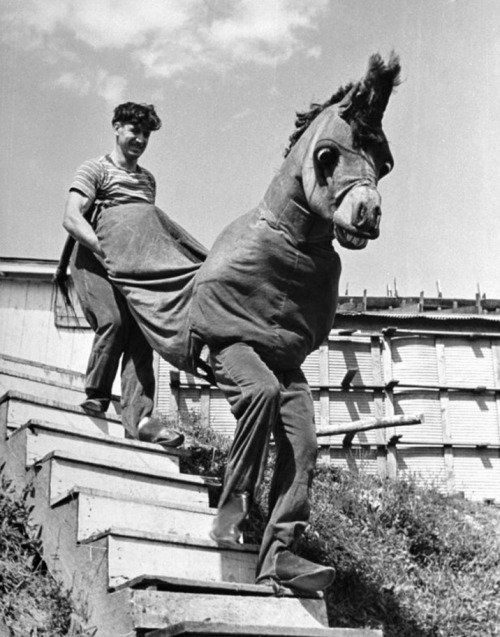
(31, 601)
(409, 559)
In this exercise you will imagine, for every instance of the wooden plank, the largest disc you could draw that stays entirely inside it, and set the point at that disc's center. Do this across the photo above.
(215, 629)
(69, 472)
(378, 398)
(371, 423)
(99, 511)
(495, 347)
(42, 438)
(24, 407)
(176, 556)
(179, 584)
(392, 460)
(149, 609)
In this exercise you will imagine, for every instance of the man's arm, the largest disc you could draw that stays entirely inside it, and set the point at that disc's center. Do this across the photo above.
(77, 226)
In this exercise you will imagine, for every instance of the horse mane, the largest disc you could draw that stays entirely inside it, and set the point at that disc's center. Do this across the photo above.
(367, 106)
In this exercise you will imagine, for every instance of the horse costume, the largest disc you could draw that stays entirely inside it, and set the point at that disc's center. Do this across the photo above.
(262, 300)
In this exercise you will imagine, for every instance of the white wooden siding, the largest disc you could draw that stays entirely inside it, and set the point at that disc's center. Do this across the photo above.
(27, 327)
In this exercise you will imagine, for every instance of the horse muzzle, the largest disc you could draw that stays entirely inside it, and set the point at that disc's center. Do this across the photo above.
(357, 218)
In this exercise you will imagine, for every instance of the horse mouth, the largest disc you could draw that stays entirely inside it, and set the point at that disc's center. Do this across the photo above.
(349, 239)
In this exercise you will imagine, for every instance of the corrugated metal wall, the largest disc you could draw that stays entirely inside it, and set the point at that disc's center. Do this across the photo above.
(452, 379)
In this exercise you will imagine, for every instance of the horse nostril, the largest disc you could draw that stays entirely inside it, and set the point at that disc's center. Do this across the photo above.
(360, 215)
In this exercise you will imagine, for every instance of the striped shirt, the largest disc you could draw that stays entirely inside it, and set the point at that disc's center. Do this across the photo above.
(106, 184)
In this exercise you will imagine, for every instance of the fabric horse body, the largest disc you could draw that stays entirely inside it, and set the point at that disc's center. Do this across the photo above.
(271, 278)
(262, 300)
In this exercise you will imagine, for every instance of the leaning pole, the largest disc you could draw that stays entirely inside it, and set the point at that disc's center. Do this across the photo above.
(370, 423)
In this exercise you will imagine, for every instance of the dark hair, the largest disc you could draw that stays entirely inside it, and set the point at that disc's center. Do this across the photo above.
(142, 114)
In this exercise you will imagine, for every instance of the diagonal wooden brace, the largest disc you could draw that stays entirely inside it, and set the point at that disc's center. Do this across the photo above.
(370, 423)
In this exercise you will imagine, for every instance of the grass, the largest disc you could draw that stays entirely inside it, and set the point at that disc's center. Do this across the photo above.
(409, 559)
(32, 603)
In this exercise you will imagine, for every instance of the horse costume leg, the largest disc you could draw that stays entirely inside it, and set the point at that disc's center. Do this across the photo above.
(265, 401)
(289, 506)
(296, 452)
(253, 392)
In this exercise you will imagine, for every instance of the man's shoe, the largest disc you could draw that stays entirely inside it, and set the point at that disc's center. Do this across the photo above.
(151, 429)
(93, 406)
(226, 528)
(299, 574)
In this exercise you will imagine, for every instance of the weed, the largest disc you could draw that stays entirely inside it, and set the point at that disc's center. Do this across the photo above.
(31, 601)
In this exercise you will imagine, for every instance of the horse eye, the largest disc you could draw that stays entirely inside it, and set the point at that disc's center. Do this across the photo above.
(327, 155)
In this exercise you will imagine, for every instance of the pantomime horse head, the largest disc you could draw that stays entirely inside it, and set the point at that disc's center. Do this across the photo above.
(339, 152)
(271, 278)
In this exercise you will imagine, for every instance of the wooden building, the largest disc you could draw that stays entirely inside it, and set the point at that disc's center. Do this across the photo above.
(386, 356)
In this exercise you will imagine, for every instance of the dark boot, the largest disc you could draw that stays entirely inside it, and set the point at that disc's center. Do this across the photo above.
(226, 528)
(151, 429)
(298, 573)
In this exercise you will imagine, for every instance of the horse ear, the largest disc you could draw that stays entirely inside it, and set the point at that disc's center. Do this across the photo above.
(377, 85)
(346, 105)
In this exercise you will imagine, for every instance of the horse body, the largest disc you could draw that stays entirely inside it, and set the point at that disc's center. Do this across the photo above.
(264, 284)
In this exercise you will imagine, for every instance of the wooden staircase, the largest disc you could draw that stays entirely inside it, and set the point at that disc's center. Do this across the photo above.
(127, 532)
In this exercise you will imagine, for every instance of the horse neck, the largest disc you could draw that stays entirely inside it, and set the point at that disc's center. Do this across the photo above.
(285, 199)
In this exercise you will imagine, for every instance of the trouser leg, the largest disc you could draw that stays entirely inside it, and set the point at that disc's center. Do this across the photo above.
(264, 401)
(252, 390)
(116, 334)
(102, 308)
(137, 379)
(296, 452)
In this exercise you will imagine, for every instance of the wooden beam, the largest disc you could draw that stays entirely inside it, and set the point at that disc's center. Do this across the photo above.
(370, 423)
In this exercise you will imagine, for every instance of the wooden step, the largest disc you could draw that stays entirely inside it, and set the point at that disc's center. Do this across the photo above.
(34, 440)
(221, 629)
(47, 381)
(132, 554)
(68, 471)
(17, 409)
(179, 584)
(238, 604)
(136, 607)
(24, 384)
(99, 510)
(40, 371)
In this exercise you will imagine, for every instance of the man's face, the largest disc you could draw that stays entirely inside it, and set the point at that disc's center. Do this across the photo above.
(131, 138)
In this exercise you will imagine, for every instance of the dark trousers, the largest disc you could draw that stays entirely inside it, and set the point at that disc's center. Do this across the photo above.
(117, 336)
(266, 402)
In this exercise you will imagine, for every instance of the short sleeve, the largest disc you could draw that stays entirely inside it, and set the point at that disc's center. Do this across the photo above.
(152, 184)
(88, 178)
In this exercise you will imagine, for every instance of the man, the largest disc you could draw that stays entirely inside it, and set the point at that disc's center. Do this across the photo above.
(111, 180)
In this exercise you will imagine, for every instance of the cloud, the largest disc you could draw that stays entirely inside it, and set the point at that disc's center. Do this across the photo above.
(110, 87)
(164, 38)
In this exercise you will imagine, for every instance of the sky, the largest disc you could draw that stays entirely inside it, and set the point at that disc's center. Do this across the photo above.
(227, 77)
